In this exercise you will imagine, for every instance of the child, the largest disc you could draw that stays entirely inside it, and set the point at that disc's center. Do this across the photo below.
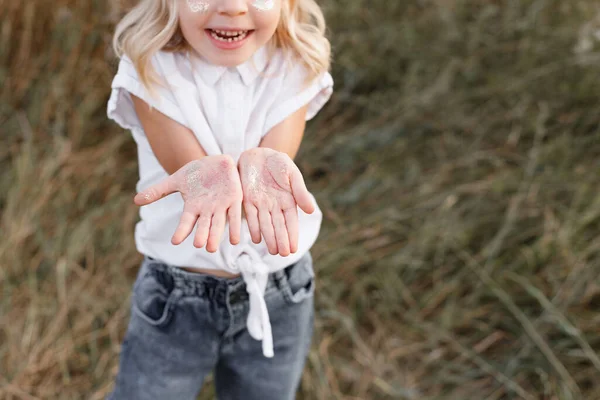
(216, 94)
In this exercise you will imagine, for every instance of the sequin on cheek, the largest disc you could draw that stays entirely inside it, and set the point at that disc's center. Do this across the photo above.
(264, 5)
(198, 6)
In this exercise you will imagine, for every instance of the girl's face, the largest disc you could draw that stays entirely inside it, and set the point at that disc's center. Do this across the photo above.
(228, 32)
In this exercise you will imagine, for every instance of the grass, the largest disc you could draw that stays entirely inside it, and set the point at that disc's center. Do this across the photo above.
(457, 167)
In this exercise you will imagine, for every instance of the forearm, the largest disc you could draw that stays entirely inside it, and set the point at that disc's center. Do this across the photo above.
(282, 144)
(173, 144)
(287, 136)
(175, 151)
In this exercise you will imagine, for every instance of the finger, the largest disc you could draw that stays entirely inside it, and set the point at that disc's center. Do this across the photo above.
(202, 228)
(281, 233)
(155, 192)
(291, 221)
(266, 227)
(216, 231)
(234, 215)
(300, 192)
(186, 226)
(252, 219)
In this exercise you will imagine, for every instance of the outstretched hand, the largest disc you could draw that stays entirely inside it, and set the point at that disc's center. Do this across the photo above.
(211, 192)
(273, 187)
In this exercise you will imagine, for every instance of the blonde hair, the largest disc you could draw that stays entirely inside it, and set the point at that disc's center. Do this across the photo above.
(153, 25)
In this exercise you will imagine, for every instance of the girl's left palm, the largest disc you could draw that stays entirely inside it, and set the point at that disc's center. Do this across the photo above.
(273, 187)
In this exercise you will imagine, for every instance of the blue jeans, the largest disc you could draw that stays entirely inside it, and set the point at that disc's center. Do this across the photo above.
(185, 325)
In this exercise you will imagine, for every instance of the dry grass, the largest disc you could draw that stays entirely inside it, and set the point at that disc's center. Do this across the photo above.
(457, 167)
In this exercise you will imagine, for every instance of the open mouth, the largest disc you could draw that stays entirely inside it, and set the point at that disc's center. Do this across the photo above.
(228, 36)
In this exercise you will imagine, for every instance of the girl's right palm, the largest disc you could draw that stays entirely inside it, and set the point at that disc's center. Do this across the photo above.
(211, 192)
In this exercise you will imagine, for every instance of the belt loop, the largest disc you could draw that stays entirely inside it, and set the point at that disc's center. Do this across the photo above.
(278, 277)
(178, 282)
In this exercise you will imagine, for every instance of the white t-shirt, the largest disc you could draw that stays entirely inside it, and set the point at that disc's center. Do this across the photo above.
(229, 110)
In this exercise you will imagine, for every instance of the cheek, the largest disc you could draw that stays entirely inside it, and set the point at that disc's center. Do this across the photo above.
(191, 24)
(267, 20)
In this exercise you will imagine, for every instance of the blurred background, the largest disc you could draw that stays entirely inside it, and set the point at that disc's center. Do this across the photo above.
(457, 166)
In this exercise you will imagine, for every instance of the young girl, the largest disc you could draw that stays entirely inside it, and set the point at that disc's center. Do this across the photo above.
(216, 94)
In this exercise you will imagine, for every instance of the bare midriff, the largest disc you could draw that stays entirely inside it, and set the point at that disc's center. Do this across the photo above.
(214, 272)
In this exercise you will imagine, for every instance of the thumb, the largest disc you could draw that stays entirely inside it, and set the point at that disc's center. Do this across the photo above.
(301, 193)
(155, 192)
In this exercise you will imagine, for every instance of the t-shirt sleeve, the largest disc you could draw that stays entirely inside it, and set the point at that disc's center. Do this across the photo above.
(295, 94)
(120, 106)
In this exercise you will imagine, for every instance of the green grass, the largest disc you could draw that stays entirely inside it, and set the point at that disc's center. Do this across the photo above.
(457, 166)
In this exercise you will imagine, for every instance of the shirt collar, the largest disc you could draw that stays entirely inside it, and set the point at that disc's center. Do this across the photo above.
(248, 71)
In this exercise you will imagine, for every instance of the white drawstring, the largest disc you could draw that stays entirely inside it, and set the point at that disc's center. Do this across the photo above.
(256, 274)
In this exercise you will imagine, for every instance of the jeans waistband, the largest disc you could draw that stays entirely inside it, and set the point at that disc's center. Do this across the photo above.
(183, 278)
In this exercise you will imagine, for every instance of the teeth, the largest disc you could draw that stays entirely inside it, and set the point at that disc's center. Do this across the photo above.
(231, 36)
(229, 33)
